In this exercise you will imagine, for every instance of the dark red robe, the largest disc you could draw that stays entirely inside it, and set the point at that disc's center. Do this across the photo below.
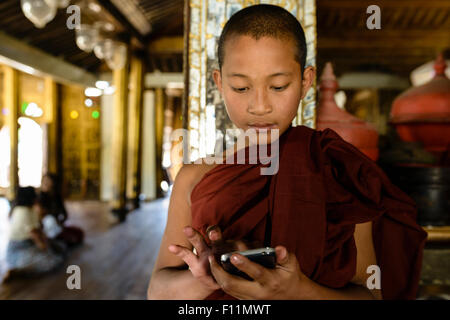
(324, 186)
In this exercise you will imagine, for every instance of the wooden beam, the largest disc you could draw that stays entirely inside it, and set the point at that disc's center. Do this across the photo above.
(367, 55)
(167, 45)
(322, 4)
(134, 15)
(384, 39)
(161, 79)
(11, 100)
(122, 19)
(24, 57)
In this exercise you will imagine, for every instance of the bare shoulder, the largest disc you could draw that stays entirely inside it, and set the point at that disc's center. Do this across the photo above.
(179, 214)
(190, 174)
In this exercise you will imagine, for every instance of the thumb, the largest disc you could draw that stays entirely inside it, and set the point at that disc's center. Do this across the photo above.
(282, 255)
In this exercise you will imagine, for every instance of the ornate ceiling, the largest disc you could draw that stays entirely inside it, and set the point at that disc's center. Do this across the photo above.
(412, 33)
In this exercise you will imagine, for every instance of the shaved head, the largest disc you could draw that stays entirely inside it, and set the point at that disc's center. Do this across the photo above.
(264, 20)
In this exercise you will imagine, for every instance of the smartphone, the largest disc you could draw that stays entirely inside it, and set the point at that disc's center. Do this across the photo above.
(264, 256)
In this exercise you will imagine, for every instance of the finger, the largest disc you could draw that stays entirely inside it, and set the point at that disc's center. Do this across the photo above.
(233, 285)
(214, 234)
(196, 239)
(282, 255)
(185, 254)
(219, 274)
(252, 269)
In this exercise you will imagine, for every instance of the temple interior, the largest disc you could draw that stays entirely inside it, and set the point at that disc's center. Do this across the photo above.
(92, 92)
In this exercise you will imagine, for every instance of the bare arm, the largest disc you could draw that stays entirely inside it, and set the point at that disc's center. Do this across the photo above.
(37, 234)
(358, 288)
(39, 239)
(173, 283)
(171, 278)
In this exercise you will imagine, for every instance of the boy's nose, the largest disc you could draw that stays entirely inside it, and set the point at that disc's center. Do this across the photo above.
(259, 104)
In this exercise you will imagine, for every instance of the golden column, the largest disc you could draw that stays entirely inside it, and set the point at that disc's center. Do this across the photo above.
(11, 85)
(135, 131)
(119, 148)
(171, 124)
(52, 120)
(159, 130)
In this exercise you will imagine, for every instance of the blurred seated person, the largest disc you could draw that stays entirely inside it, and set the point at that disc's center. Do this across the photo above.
(50, 227)
(52, 204)
(29, 251)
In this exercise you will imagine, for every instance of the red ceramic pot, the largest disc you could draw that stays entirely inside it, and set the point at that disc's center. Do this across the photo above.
(422, 114)
(352, 129)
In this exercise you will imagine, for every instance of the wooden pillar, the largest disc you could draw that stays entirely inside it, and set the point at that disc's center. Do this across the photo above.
(169, 124)
(11, 86)
(135, 131)
(52, 120)
(159, 127)
(186, 66)
(119, 151)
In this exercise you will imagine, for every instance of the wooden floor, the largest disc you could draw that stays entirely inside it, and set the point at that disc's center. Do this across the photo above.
(116, 260)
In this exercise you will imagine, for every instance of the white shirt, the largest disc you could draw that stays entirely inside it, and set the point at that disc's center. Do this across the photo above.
(23, 220)
(51, 226)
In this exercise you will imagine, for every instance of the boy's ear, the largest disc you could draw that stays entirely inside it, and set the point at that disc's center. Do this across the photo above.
(308, 79)
(217, 79)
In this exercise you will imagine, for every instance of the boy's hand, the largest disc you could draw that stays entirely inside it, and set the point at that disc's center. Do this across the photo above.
(284, 282)
(198, 262)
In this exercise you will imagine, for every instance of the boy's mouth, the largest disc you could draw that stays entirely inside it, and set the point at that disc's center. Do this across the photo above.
(262, 125)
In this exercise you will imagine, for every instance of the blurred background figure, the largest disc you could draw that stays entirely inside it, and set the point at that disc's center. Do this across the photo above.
(55, 214)
(29, 251)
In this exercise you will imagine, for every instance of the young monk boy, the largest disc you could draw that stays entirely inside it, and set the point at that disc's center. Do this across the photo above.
(340, 229)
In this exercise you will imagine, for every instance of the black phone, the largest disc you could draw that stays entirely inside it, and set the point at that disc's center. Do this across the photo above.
(264, 256)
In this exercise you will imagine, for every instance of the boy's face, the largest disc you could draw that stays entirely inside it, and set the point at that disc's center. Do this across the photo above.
(261, 83)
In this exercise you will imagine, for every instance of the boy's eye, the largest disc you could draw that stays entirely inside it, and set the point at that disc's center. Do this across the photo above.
(280, 88)
(240, 90)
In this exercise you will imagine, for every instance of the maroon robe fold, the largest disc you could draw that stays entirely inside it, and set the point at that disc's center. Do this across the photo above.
(324, 186)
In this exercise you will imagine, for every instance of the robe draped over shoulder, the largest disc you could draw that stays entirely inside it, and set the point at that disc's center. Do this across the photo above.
(323, 187)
